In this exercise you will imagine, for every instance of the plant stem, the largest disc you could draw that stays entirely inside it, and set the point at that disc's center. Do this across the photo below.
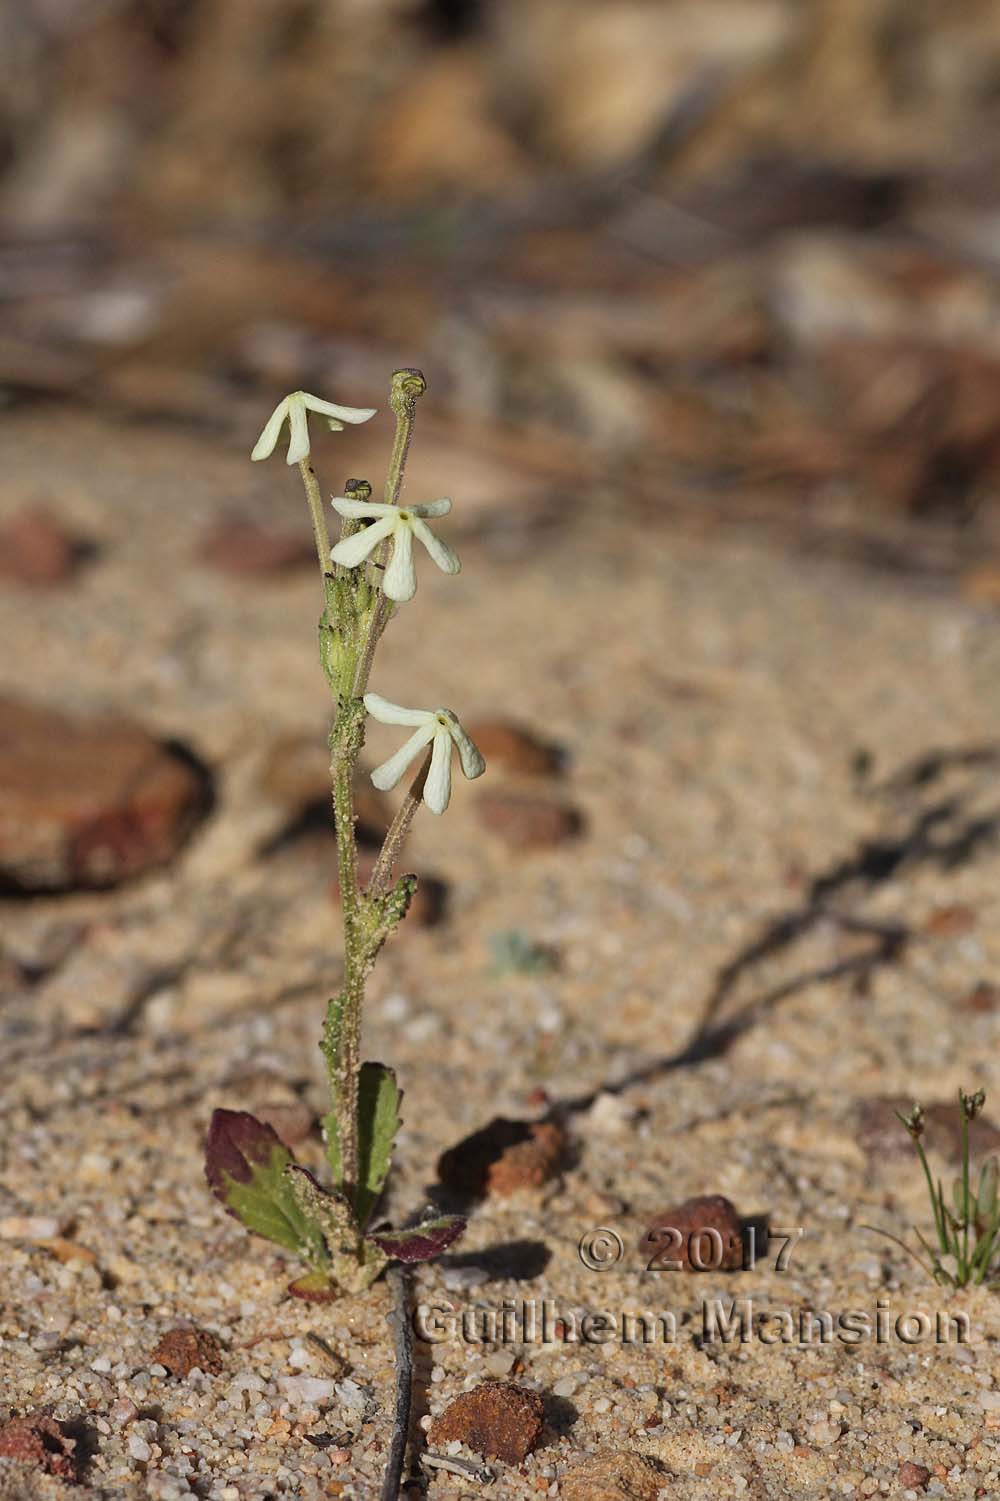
(346, 740)
(405, 391)
(398, 830)
(315, 500)
(964, 1268)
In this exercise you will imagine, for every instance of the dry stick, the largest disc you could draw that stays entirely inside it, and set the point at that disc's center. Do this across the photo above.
(398, 1279)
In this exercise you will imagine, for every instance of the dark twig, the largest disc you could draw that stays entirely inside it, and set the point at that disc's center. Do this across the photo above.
(399, 1281)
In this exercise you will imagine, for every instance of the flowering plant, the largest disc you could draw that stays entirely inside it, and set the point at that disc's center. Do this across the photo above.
(366, 575)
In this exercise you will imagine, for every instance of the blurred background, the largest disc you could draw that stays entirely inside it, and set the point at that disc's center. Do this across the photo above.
(735, 260)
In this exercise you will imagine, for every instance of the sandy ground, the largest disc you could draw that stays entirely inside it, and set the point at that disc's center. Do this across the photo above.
(712, 697)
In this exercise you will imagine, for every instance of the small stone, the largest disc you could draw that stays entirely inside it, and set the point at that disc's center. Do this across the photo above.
(180, 1351)
(702, 1234)
(913, 1477)
(496, 1419)
(983, 997)
(307, 1391)
(139, 1449)
(123, 1412)
(29, 1227)
(89, 803)
(525, 821)
(246, 550)
(504, 1157)
(824, 1433)
(510, 747)
(613, 1475)
(950, 921)
(37, 1440)
(37, 550)
(610, 1115)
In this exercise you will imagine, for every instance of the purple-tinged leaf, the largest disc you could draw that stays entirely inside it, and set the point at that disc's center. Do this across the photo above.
(314, 1287)
(245, 1163)
(423, 1242)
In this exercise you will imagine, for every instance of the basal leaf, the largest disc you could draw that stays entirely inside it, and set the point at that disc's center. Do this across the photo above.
(423, 1242)
(245, 1164)
(378, 1121)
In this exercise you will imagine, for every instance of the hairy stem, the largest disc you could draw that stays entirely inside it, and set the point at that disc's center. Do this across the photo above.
(346, 740)
(315, 500)
(405, 391)
(398, 830)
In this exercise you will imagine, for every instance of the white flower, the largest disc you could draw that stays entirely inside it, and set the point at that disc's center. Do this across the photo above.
(401, 523)
(294, 408)
(437, 725)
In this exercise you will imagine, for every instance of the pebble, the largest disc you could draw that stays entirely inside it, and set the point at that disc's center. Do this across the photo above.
(181, 1351)
(496, 1419)
(912, 1476)
(503, 1157)
(36, 549)
(38, 1441)
(88, 803)
(613, 1475)
(139, 1449)
(708, 1229)
(29, 1227)
(824, 1433)
(307, 1391)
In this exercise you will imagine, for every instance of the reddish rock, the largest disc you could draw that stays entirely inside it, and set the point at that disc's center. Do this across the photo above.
(36, 549)
(951, 921)
(39, 1441)
(510, 747)
(183, 1350)
(246, 550)
(913, 1477)
(89, 802)
(982, 997)
(525, 821)
(503, 1157)
(496, 1419)
(705, 1230)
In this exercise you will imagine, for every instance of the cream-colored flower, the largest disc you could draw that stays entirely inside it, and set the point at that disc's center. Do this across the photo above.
(293, 409)
(402, 524)
(439, 726)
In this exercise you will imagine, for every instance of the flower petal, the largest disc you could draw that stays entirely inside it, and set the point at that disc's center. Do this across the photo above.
(298, 443)
(471, 757)
(351, 551)
(331, 409)
(442, 554)
(386, 713)
(437, 788)
(388, 774)
(399, 582)
(265, 445)
(432, 508)
(344, 505)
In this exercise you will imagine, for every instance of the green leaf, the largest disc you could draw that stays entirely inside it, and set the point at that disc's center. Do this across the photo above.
(987, 1198)
(379, 1099)
(245, 1164)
